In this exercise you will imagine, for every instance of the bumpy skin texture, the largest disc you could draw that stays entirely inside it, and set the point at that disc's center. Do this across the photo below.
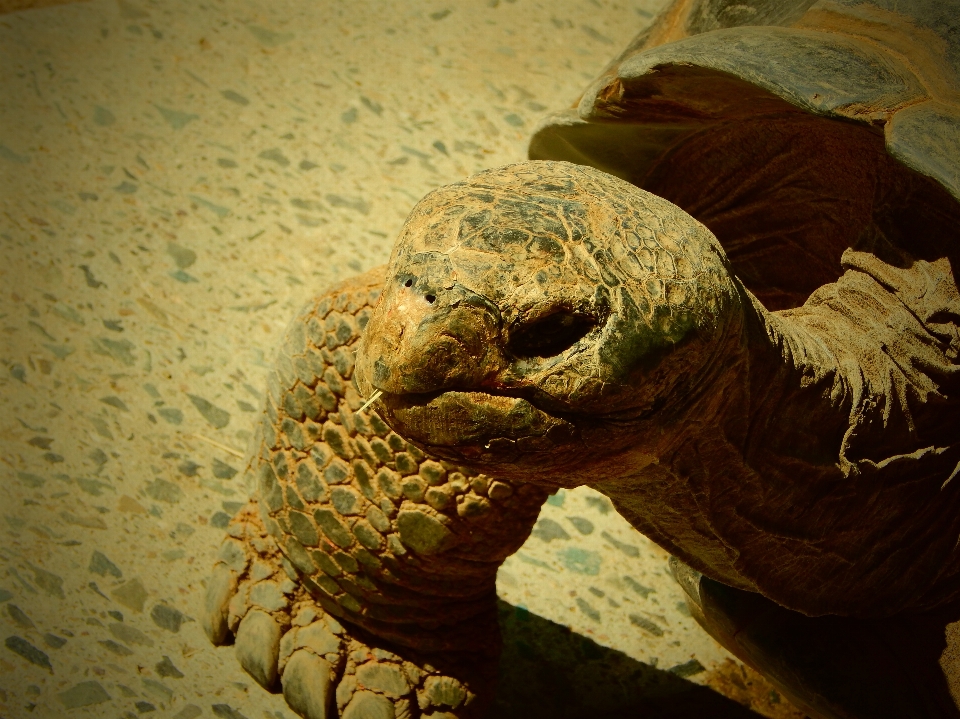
(361, 580)
(809, 454)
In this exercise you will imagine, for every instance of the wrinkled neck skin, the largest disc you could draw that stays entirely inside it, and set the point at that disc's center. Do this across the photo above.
(771, 413)
(767, 383)
(798, 395)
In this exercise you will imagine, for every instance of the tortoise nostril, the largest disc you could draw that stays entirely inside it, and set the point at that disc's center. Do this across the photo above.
(381, 371)
(430, 298)
(549, 335)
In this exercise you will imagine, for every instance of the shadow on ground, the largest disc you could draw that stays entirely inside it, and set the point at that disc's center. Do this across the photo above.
(549, 672)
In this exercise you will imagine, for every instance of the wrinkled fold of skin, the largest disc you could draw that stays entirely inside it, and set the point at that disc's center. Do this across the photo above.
(547, 322)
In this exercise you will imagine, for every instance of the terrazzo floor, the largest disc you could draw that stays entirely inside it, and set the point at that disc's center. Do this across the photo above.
(176, 179)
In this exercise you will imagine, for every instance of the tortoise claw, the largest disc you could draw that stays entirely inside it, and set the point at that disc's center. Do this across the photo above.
(258, 647)
(367, 705)
(308, 684)
(220, 590)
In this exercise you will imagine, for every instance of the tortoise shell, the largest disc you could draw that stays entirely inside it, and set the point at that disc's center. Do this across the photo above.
(791, 129)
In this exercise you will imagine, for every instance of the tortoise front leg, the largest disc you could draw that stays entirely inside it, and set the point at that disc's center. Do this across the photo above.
(361, 579)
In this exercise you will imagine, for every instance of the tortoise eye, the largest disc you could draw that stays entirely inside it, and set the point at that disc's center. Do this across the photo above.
(408, 283)
(550, 335)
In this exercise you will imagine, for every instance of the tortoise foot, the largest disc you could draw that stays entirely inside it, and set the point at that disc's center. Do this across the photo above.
(325, 668)
(832, 667)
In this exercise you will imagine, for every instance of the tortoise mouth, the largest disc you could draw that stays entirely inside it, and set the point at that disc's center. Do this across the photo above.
(475, 425)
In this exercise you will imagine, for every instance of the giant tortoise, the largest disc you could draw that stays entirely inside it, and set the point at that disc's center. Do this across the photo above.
(722, 293)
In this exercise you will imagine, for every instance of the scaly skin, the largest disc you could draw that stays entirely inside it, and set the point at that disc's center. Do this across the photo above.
(361, 579)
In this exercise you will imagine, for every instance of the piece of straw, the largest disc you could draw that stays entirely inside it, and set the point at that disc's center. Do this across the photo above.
(225, 448)
(373, 398)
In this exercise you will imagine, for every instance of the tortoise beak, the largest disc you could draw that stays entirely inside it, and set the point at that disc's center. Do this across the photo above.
(427, 338)
(470, 421)
(431, 350)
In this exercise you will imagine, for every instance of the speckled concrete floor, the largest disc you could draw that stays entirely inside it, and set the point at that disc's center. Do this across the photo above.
(176, 179)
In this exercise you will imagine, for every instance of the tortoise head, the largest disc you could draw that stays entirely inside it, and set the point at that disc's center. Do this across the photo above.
(543, 317)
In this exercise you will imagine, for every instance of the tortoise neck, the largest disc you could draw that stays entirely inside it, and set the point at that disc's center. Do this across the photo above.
(790, 381)
(771, 390)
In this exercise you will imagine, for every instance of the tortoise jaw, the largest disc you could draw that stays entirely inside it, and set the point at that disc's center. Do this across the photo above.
(476, 426)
